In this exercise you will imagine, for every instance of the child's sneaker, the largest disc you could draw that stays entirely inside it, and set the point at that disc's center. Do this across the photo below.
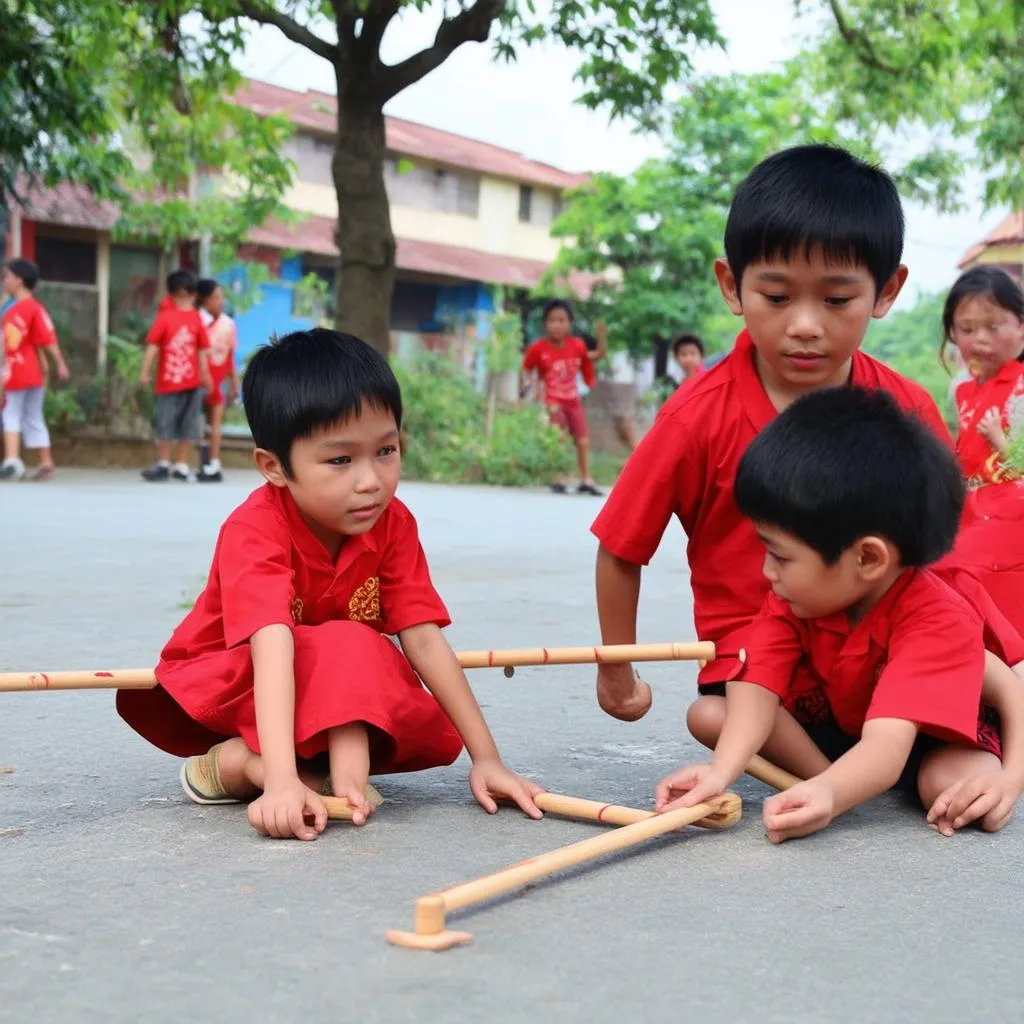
(12, 469)
(210, 473)
(181, 472)
(158, 471)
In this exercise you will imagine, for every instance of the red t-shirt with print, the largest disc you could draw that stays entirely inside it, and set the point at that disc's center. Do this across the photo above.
(981, 463)
(27, 328)
(180, 335)
(558, 366)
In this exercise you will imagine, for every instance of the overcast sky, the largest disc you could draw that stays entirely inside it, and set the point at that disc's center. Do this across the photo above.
(528, 106)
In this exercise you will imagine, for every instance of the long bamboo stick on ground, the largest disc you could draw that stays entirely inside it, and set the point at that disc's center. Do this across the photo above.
(144, 679)
(770, 774)
(612, 814)
(431, 911)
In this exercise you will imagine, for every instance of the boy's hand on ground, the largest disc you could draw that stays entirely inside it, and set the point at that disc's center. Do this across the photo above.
(989, 796)
(621, 693)
(282, 812)
(490, 781)
(805, 808)
(687, 787)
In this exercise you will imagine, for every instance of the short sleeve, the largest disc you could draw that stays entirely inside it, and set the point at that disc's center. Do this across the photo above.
(934, 672)
(257, 581)
(665, 475)
(766, 651)
(42, 333)
(407, 596)
(532, 358)
(1000, 636)
(157, 331)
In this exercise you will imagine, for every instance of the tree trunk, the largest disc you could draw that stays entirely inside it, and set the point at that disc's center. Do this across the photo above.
(366, 270)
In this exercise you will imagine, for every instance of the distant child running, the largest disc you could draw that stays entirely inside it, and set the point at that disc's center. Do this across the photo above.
(27, 333)
(177, 342)
(557, 358)
(984, 317)
(220, 328)
(282, 678)
(852, 500)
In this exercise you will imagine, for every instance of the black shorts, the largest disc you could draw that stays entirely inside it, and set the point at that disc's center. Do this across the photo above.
(178, 416)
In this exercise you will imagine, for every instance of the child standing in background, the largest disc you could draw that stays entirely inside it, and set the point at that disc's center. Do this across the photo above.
(984, 317)
(220, 328)
(179, 340)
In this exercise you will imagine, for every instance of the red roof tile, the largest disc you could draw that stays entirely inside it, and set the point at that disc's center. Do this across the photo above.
(72, 206)
(1008, 232)
(316, 111)
(316, 235)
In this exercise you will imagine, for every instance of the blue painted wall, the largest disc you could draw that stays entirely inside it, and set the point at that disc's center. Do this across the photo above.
(273, 315)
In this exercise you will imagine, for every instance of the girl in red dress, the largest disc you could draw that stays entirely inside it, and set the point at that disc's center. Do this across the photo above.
(223, 340)
(984, 318)
(285, 664)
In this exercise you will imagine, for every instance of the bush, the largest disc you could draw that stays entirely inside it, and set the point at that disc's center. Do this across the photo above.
(444, 430)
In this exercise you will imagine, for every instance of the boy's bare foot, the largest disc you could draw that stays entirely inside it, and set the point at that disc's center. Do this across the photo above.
(627, 698)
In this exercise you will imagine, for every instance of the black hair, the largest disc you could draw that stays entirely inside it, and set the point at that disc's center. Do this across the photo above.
(688, 339)
(205, 287)
(552, 304)
(991, 282)
(181, 280)
(844, 463)
(816, 199)
(26, 270)
(308, 380)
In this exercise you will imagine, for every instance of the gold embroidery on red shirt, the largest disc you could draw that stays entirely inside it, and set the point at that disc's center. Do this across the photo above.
(364, 605)
(297, 611)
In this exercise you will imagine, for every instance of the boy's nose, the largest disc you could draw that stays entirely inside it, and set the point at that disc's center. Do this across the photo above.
(804, 322)
(368, 481)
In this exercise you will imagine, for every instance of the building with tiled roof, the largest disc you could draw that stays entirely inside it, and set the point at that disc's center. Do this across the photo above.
(466, 215)
(1001, 247)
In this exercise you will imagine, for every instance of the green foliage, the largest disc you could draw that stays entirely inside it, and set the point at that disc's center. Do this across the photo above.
(445, 432)
(951, 69)
(910, 342)
(1014, 455)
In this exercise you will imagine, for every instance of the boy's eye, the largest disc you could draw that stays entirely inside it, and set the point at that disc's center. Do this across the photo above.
(339, 460)
(775, 300)
(388, 449)
(838, 300)
(777, 559)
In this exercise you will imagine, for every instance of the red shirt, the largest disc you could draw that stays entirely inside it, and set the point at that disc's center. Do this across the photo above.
(180, 335)
(223, 339)
(558, 366)
(981, 463)
(685, 466)
(269, 568)
(917, 655)
(27, 328)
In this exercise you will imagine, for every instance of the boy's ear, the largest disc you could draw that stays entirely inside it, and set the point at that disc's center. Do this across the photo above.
(270, 466)
(890, 292)
(729, 286)
(875, 557)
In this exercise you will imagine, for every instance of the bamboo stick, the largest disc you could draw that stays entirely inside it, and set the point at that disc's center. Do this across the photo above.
(770, 774)
(430, 912)
(144, 679)
(612, 814)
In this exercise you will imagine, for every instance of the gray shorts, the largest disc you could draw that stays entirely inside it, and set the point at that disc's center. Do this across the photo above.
(179, 416)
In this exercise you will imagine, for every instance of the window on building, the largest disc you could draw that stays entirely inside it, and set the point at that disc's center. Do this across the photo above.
(312, 155)
(441, 189)
(525, 204)
(66, 260)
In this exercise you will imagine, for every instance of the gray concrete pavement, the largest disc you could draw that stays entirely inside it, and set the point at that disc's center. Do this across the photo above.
(121, 901)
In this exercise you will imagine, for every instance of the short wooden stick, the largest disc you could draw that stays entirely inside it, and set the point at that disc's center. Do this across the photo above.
(770, 774)
(612, 814)
(144, 679)
(430, 913)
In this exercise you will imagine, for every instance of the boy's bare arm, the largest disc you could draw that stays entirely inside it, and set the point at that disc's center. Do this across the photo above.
(204, 370)
(435, 662)
(869, 768)
(145, 374)
(57, 358)
(273, 667)
(618, 596)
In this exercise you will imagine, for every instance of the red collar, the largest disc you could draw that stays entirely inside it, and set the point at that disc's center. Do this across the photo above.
(876, 625)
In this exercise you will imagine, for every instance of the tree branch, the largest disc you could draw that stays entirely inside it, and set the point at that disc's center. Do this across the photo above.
(290, 28)
(375, 23)
(472, 25)
(858, 41)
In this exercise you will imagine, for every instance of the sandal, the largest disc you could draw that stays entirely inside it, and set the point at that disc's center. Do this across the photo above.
(588, 488)
(41, 473)
(200, 778)
(559, 488)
